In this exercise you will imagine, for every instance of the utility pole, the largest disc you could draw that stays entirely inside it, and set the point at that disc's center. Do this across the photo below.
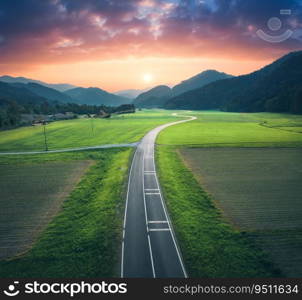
(92, 125)
(45, 137)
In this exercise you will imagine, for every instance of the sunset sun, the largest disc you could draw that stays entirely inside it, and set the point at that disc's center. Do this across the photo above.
(148, 77)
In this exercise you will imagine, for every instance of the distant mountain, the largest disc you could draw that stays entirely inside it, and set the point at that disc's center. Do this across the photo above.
(59, 87)
(34, 89)
(131, 94)
(158, 96)
(45, 92)
(199, 81)
(96, 96)
(155, 97)
(20, 95)
(275, 88)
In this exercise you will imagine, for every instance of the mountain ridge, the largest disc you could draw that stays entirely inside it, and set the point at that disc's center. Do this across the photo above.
(45, 92)
(18, 94)
(130, 93)
(61, 87)
(274, 88)
(198, 81)
(159, 95)
(155, 97)
(96, 96)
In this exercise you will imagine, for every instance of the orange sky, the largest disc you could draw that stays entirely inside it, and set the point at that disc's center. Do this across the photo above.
(113, 44)
(114, 75)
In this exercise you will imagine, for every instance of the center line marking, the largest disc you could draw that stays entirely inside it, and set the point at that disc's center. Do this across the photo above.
(157, 222)
(152, 193)
(147, 229)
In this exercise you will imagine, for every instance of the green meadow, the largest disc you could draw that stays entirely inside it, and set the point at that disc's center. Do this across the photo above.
(85, 132)
(219, 129)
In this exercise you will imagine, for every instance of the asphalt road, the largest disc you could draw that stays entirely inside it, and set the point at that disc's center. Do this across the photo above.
(149, 248)
(71, 149)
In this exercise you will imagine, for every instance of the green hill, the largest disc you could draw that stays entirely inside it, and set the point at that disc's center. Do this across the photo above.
(275, 88)
(20, 95)
(198, 81)
(96, 96)
(155, 97)
(61, 87)
(45, 92)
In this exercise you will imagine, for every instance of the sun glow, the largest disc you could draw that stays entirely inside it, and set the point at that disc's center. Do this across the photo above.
(148, 77)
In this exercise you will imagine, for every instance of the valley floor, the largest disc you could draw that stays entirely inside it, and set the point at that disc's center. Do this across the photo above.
(230, 181)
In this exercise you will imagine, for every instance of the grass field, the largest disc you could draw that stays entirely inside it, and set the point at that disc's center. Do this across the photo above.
(84, 239)
(250, 225)
(31, 195)
(85, 132)
(292, 123)
(218, 129)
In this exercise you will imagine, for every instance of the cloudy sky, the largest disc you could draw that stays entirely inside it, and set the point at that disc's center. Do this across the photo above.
(119, 44)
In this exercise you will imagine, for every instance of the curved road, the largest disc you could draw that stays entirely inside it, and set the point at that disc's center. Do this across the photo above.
(72, 149)
(149, 247)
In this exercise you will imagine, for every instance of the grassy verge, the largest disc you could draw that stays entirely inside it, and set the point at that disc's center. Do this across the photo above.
(83, 239)
(210, 246)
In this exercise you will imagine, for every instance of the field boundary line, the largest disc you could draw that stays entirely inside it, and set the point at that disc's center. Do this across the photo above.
(280, 128)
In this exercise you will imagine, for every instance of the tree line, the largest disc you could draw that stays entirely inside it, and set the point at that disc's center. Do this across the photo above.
(11, 112)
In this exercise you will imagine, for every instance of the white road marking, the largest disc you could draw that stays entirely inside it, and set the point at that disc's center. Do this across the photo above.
(157, 222)
(169, 224)
(150, 249)
(152, 193)
(125, 216)
(151, 255)
(148, 156)
(167, 216)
